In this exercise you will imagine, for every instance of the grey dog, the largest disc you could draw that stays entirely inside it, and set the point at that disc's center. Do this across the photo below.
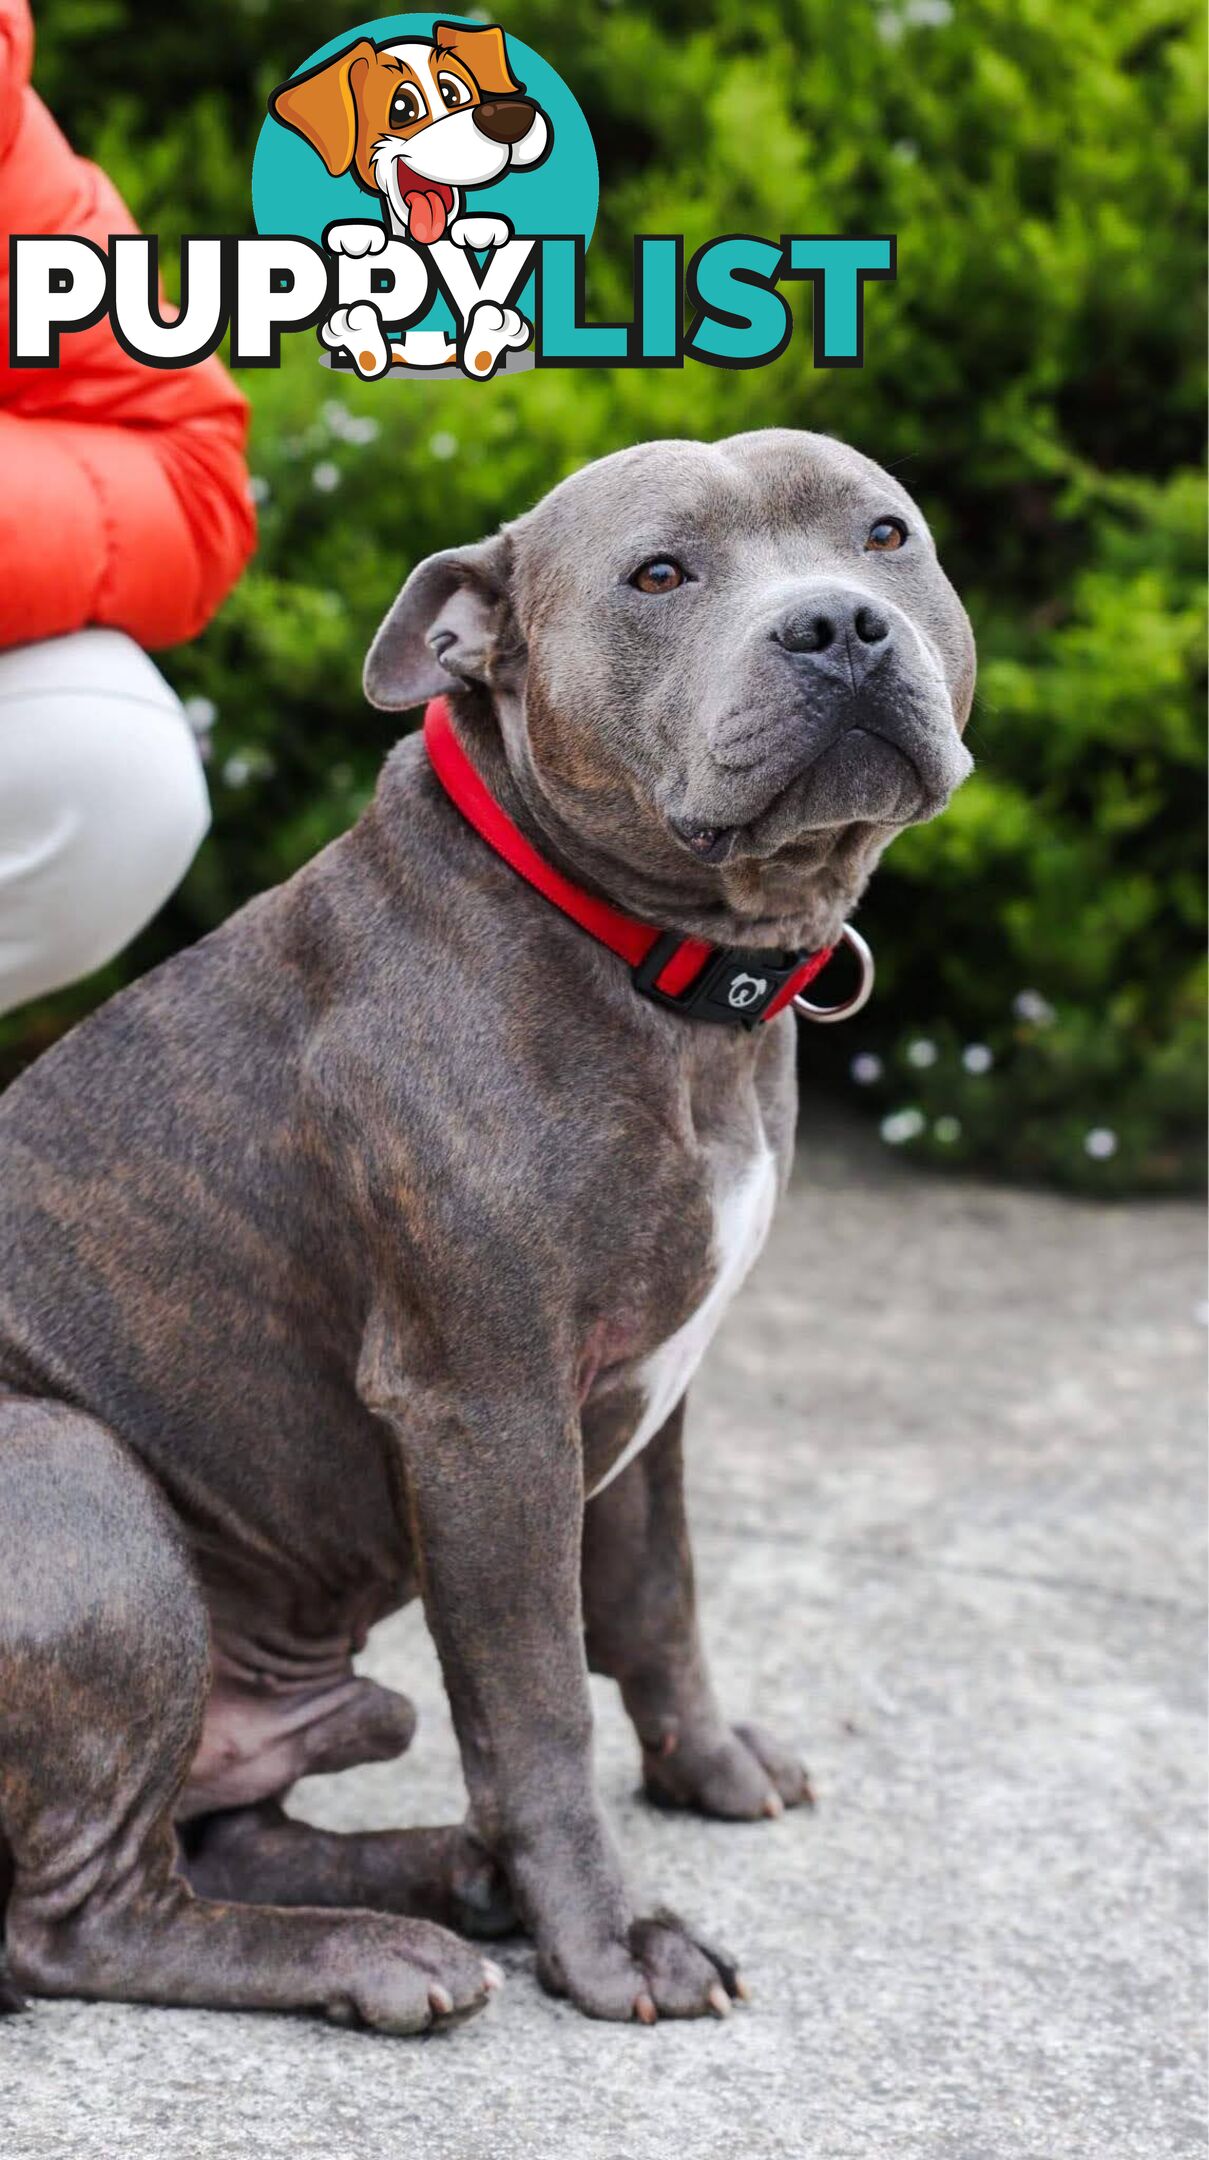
(366, 1249)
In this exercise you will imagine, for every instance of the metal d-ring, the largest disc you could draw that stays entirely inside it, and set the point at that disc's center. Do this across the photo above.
(827, 1015)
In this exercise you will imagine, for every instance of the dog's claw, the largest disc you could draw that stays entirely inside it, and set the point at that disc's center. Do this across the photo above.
(719, 2000)
(440, 2001)
(493, 1975)
(644, 2010)
(774, 1805)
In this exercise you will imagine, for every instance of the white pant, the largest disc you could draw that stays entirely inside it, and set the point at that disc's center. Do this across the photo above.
(102, 805)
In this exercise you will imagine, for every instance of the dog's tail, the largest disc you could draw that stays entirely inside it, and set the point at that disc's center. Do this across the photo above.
(11, 1998)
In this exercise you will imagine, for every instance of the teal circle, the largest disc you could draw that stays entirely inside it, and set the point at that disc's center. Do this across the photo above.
(293, 192)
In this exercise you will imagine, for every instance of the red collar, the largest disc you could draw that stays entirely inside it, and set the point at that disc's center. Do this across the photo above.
(699, 980)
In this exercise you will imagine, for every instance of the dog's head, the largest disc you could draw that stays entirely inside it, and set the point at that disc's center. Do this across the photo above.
(419, 120)
(724, 675)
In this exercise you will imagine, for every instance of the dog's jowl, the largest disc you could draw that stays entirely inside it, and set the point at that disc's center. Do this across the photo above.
(367, 1249)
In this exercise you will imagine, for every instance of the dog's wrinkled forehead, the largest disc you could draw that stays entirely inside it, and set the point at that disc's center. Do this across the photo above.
(770, 499)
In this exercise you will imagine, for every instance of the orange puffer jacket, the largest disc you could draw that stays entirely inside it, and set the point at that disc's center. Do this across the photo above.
(123, 490)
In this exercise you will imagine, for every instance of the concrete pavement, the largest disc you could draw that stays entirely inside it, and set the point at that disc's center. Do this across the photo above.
(948, 1484)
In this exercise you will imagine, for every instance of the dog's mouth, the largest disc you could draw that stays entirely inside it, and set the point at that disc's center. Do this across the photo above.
(709, 843)
(429, 204)
(899, 797)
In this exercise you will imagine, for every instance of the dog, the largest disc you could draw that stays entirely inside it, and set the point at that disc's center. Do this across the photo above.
(418, 123)
(366, 1250)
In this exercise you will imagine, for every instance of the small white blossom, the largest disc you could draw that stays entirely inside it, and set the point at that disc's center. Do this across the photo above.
(326, 476)
(258, 488)
(902, 1125)
(362, 428)
(1030, 1005)
(443, 445)
(921, 1053)
(947, 1130)
(201, 714)
(928, 14)
(866, 1068)
(890, 26)
(238, 770)
(906, 151)
(1100, 1143)
(977, 1057)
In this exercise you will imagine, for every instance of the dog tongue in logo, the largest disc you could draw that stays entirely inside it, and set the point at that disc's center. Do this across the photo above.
(429, 203)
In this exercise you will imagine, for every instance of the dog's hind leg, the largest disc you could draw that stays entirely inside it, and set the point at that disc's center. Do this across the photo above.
(104, 1668)
(263, 1856)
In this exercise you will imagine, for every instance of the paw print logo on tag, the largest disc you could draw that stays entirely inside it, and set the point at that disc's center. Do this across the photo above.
(745, 990)
(427, 158)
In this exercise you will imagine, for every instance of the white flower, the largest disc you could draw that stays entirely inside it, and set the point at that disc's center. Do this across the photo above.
(866, 1068)
(1030, 1005)
(921, 1053)
(259, 489)
(906, 151)
(977, 1057)
(201, 714)
(238, 770)
(902, 1125)
(928, 14)
(326, 476)
(443, 445)
(890, 26)
(1099, 1143)
(362, 428)
(947, 1130)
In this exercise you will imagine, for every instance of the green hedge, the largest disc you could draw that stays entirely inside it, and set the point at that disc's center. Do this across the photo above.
(1035, 375)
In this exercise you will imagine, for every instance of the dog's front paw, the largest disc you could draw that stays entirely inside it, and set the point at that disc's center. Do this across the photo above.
(491, 331)
(356, 237)
(359, 330)
(740, 1773)
(403, 1976)
(480, 232)
(657, 1970)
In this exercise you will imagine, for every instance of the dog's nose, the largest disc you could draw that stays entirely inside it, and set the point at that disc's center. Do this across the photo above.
(839, 633)
(504, 120)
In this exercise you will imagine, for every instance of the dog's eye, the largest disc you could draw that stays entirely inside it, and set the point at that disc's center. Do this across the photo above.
(454, 91)
(406, 107)
(886, 535)
(661, 575)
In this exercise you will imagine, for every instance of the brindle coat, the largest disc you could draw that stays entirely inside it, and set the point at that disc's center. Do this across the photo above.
(333, 1254)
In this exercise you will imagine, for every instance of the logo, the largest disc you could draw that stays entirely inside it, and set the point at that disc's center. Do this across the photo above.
(424, 192)
(745, 989)
(416, 159)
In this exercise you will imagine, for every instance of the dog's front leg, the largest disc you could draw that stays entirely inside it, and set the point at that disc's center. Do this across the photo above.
(495, 1495)
(640, 1613)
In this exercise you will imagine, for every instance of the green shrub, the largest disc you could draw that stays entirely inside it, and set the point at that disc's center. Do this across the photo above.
(1035, 375)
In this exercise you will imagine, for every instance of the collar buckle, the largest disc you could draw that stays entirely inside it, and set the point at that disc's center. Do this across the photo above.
(733, 988)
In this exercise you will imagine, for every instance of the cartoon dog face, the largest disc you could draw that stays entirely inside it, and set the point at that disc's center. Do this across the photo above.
(418, 121)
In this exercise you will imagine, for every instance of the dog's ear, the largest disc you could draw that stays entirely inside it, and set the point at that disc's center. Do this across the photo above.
(483, 52)
(322, 106)
(451, 622)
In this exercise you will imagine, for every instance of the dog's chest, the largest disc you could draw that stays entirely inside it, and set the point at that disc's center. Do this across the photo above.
(744, 1195)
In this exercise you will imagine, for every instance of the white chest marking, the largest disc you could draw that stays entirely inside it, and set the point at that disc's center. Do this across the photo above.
(742, 1213)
